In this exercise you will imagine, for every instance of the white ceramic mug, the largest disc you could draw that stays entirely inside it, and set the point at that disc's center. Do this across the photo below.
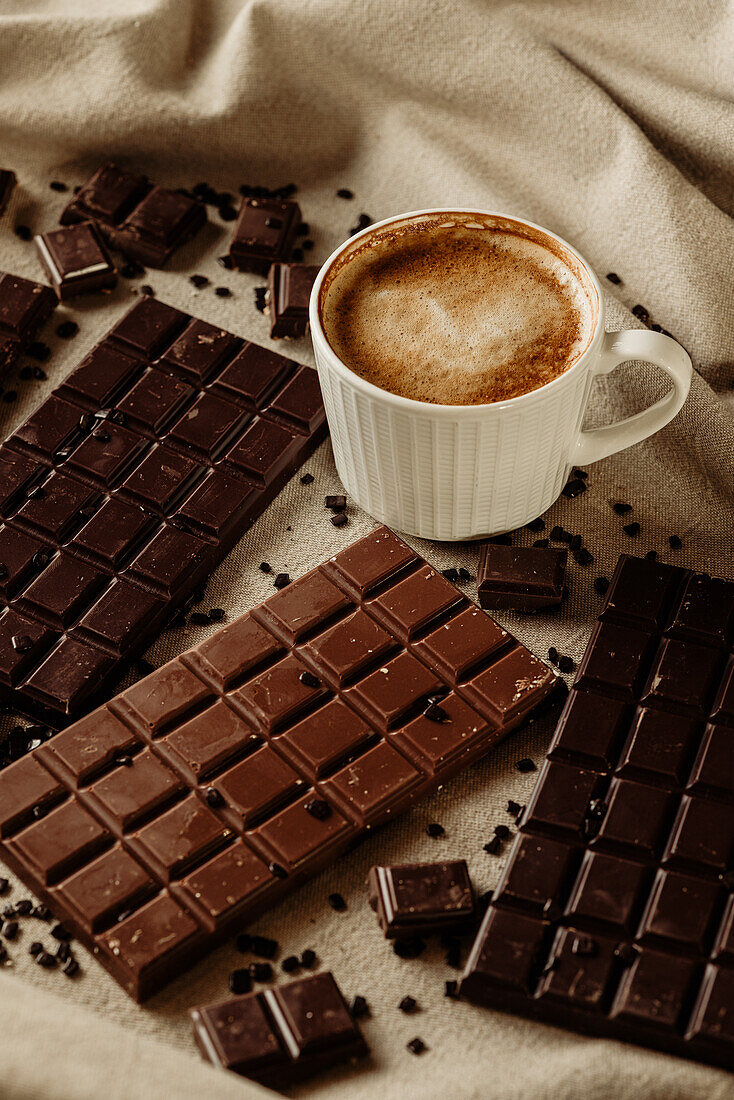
(467, 471)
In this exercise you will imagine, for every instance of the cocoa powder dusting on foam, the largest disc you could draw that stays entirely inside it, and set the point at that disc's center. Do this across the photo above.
(457, 314)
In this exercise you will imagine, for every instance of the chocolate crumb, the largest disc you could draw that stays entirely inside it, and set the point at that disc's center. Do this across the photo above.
(67, 330)
(632, 529)
(501, 831)
(290, 964)
(513, 807)
(408, 1004)
(542, 542)
(223, 292)
(225, 262)
(601, 585)
(265, 567)
(641, 313)
(525, 765)
(675, 542)
(282, 580)
(651, 555)
(307, 479)
(614, 278)
(416, 1046)
(337, 903)
(494, 846)
(308, 958)
(621, 508)
(23, 233)
(465, 575)
(359, 1008)
(433, 829)
(261, 972)
(566, 664)
(340, 519)
(345, 193)
(450, 574)
(451, 989)
(240, 981)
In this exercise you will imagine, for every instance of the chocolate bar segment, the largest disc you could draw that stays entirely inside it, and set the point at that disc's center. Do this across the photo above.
(280, 1036)
(25, 307)
(230, 775)
(7, 186)
(422, 898)
(123, 491)
(264, 234)
(142, 221)
(289, 292)
(76, 261)
(526, 578)
(614, 912)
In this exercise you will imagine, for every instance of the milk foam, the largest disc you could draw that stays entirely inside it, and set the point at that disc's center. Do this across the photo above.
(457, 314)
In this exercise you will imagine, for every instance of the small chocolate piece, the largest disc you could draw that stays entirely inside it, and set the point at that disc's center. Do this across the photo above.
(25, 307)
(416, 1046)
(264, 234)
(339, 519)
(7, 185)
(264, 946)
(422, 897)
(280, 1036)
(145, 222)
(614, 914)
(290, 964)
(632, 529)
(240, 981)
(614, 278)
(675, 542)
(520, 577)
(261, 972)
(308, 958)
(337, 903)
(335, 503)
(289, 292)
(76, 260)
(359, 1008)
(408, 1004)
(621, 509)
(435, 830)
(409, 947)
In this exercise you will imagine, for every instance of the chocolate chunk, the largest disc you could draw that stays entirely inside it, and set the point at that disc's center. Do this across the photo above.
(282, 580)
(601, 584)
(307, 479)
(335, 503)
(222, 292)
(188, 424)
(450, 575)
(435, 830)
(621, 509)
(465, 575)
(632, 529)
(385, 633)
(494, 846)
(261, 972)
(501, 831)
(416, 1046)
(525, 765)
(70, 968)
(9, 929)
(524, 578)
(308, 958)
(289, 294)
(345, 193)
(337, 903)
(574, 488)
(628, 838)
(422, 897)
(409, 947)
(408, 1005)
(642, 313)
(559, 534)
(256, 244)
(318, 808)
(23, 232)
(76, 260)
(145, 222)
(290, 964)
(614, 278)
(566, 664)
(7, 186)
(67, 330)
(340, 519)
(675, 542)
(280, 1036)
(25, 307)
(359, 1008)
(451, 989)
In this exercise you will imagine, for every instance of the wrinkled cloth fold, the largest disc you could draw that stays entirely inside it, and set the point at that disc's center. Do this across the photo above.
(611, 124)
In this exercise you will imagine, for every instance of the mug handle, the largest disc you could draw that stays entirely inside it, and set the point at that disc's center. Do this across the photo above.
(650, 347)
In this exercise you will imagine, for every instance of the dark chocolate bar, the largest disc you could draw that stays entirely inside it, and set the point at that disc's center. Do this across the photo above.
(526, 578)
(289, 292)
(264, 234)
(615, 913)
(280, 1036)
(145, 222)
(422, 898)
(125, 489)
(198, 797)
(76, 260)
(25, 307)
(7, 186)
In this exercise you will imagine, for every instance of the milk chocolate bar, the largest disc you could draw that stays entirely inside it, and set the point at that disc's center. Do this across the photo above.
(526, 578)
(25, 307)
(615, 913)
(280, 1036)
(289, 292)
(198, 797)
(264, 233)
(76, 260)
(7, 186)
(143, 221)
(422, 898)
(126, 488)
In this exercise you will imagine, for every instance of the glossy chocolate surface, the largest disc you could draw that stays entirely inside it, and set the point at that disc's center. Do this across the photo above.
(422, 898)
(25, 307)
(280, 1036)
(289, 292)
(230, 775)
(145, 222)
(264, 234)
(615, 913)
(76, 260)
(128, 485)
(526, 578)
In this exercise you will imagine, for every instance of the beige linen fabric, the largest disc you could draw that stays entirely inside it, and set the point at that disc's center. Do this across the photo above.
(612, 125)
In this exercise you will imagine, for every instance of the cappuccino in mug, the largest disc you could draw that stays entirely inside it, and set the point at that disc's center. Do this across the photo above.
(460, 309)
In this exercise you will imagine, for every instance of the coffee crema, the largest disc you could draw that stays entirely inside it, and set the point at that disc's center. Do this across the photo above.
(458, 309)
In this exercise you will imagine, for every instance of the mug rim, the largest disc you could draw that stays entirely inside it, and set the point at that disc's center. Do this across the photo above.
(410, 403)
